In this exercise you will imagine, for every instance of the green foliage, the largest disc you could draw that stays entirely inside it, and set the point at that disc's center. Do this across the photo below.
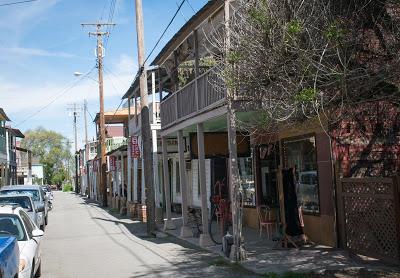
(294, 28)
(334, 33)
(52, 150)
(67, 187)
(186, 69)
(233, 57)
(259, 15)
(306, 95)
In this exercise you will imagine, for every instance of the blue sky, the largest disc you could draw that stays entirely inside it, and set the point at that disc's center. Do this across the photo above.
(42, 44)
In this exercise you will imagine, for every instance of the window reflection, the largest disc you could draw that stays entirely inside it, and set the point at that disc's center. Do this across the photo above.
(301, 155)
(247, 181)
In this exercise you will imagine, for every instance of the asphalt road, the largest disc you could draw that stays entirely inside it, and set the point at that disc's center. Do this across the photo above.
(84, 240)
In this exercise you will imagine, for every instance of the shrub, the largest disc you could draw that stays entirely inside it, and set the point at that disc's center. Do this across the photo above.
(67, 187)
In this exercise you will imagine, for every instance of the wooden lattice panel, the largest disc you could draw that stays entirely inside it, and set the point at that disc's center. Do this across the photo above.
(371, 217)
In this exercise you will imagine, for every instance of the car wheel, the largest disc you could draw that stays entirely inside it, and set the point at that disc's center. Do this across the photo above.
(39, 271)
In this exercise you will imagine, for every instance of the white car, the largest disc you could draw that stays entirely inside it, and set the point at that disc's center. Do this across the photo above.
(25, 202)
(15, 221)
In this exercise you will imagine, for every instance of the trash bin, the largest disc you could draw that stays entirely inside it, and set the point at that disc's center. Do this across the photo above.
(227, 242)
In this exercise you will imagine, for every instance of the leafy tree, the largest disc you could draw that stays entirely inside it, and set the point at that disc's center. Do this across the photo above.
(53, 151)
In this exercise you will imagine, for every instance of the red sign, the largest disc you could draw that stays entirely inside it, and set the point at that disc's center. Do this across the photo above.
(95, 165)
(135, 149)
(113, 164)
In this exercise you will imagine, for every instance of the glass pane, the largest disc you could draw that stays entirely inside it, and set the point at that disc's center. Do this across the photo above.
(247, 180)
(301, 155)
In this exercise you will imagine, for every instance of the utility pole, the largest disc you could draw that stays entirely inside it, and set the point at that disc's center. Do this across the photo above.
(145, 120)
(86, 130)
(85, 111)
(74, 109)
(100, 54)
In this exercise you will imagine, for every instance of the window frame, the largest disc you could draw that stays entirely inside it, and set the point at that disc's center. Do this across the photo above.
(23, 215)
(284, 162)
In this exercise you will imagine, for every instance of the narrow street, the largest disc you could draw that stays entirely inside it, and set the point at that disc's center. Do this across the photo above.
(83, 240)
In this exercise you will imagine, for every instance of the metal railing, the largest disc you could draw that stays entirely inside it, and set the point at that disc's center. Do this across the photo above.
(189, 101)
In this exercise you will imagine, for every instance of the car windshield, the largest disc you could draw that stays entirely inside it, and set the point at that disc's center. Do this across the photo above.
(11, 225)
(22, 201)
(33, 193)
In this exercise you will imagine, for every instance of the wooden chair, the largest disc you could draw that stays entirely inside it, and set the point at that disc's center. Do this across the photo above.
(265, 220)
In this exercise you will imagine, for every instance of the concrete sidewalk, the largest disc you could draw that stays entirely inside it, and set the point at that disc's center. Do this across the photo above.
(264, 259)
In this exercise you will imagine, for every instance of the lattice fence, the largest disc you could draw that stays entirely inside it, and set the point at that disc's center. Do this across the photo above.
(369, 217)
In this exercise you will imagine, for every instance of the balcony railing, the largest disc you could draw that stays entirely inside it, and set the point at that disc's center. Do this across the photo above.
(188, 102)
(115, 143)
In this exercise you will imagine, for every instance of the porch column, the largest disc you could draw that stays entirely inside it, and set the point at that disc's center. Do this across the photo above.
(122, 175)
(129, 158)
(185, 230)
(155, 170)
(143, 183)
(158, 209)
(205, 239)
(135, 180)
(168, 225)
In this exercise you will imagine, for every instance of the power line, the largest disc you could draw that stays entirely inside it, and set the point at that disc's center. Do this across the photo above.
(163, 33)
(62, 93)
(17, 3)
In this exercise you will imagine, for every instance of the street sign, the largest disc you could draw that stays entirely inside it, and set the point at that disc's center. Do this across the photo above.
(135, 149)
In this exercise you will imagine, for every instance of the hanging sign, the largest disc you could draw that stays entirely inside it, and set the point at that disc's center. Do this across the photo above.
(135, 149)
(113, 165)
(95, 166)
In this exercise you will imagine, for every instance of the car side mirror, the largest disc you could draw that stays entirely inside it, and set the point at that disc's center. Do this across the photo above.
(40, 208)
(37, 233)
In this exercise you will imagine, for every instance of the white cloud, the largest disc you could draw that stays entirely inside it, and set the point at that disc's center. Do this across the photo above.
(21, 100)
(21, 51)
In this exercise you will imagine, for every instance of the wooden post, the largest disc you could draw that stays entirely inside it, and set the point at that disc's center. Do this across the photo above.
(129, 154)
(168, 225)
(205, 239)
(185, 230)
(196, 67)
(145, 121)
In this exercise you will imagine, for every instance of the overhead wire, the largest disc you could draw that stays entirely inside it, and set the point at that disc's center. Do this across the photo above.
(17, 3)
(58, 96)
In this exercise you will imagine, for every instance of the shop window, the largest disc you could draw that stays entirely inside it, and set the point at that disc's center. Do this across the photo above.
(301, 155)
(247, 180)
(269, 163)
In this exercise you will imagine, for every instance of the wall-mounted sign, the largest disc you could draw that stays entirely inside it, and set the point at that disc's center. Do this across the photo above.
(172, 145)
(135, 149)
(113, 164)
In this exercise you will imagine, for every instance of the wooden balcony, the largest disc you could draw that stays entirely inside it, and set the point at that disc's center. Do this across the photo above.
(188, 102)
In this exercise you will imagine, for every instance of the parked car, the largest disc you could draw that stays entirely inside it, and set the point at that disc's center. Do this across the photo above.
(49, 196)
(26, 202)
(9, 257)
(14, 221)
(38, 196)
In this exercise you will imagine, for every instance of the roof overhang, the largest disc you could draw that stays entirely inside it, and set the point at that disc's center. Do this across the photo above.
(3, 115)
(205, 12)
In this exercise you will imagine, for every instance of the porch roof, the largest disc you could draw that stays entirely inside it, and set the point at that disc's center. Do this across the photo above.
(16, 132)
(122, 148)
(114, 117)
(3, 115)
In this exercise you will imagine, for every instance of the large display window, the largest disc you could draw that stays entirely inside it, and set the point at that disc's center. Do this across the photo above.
(300, 154)
(247, 181)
